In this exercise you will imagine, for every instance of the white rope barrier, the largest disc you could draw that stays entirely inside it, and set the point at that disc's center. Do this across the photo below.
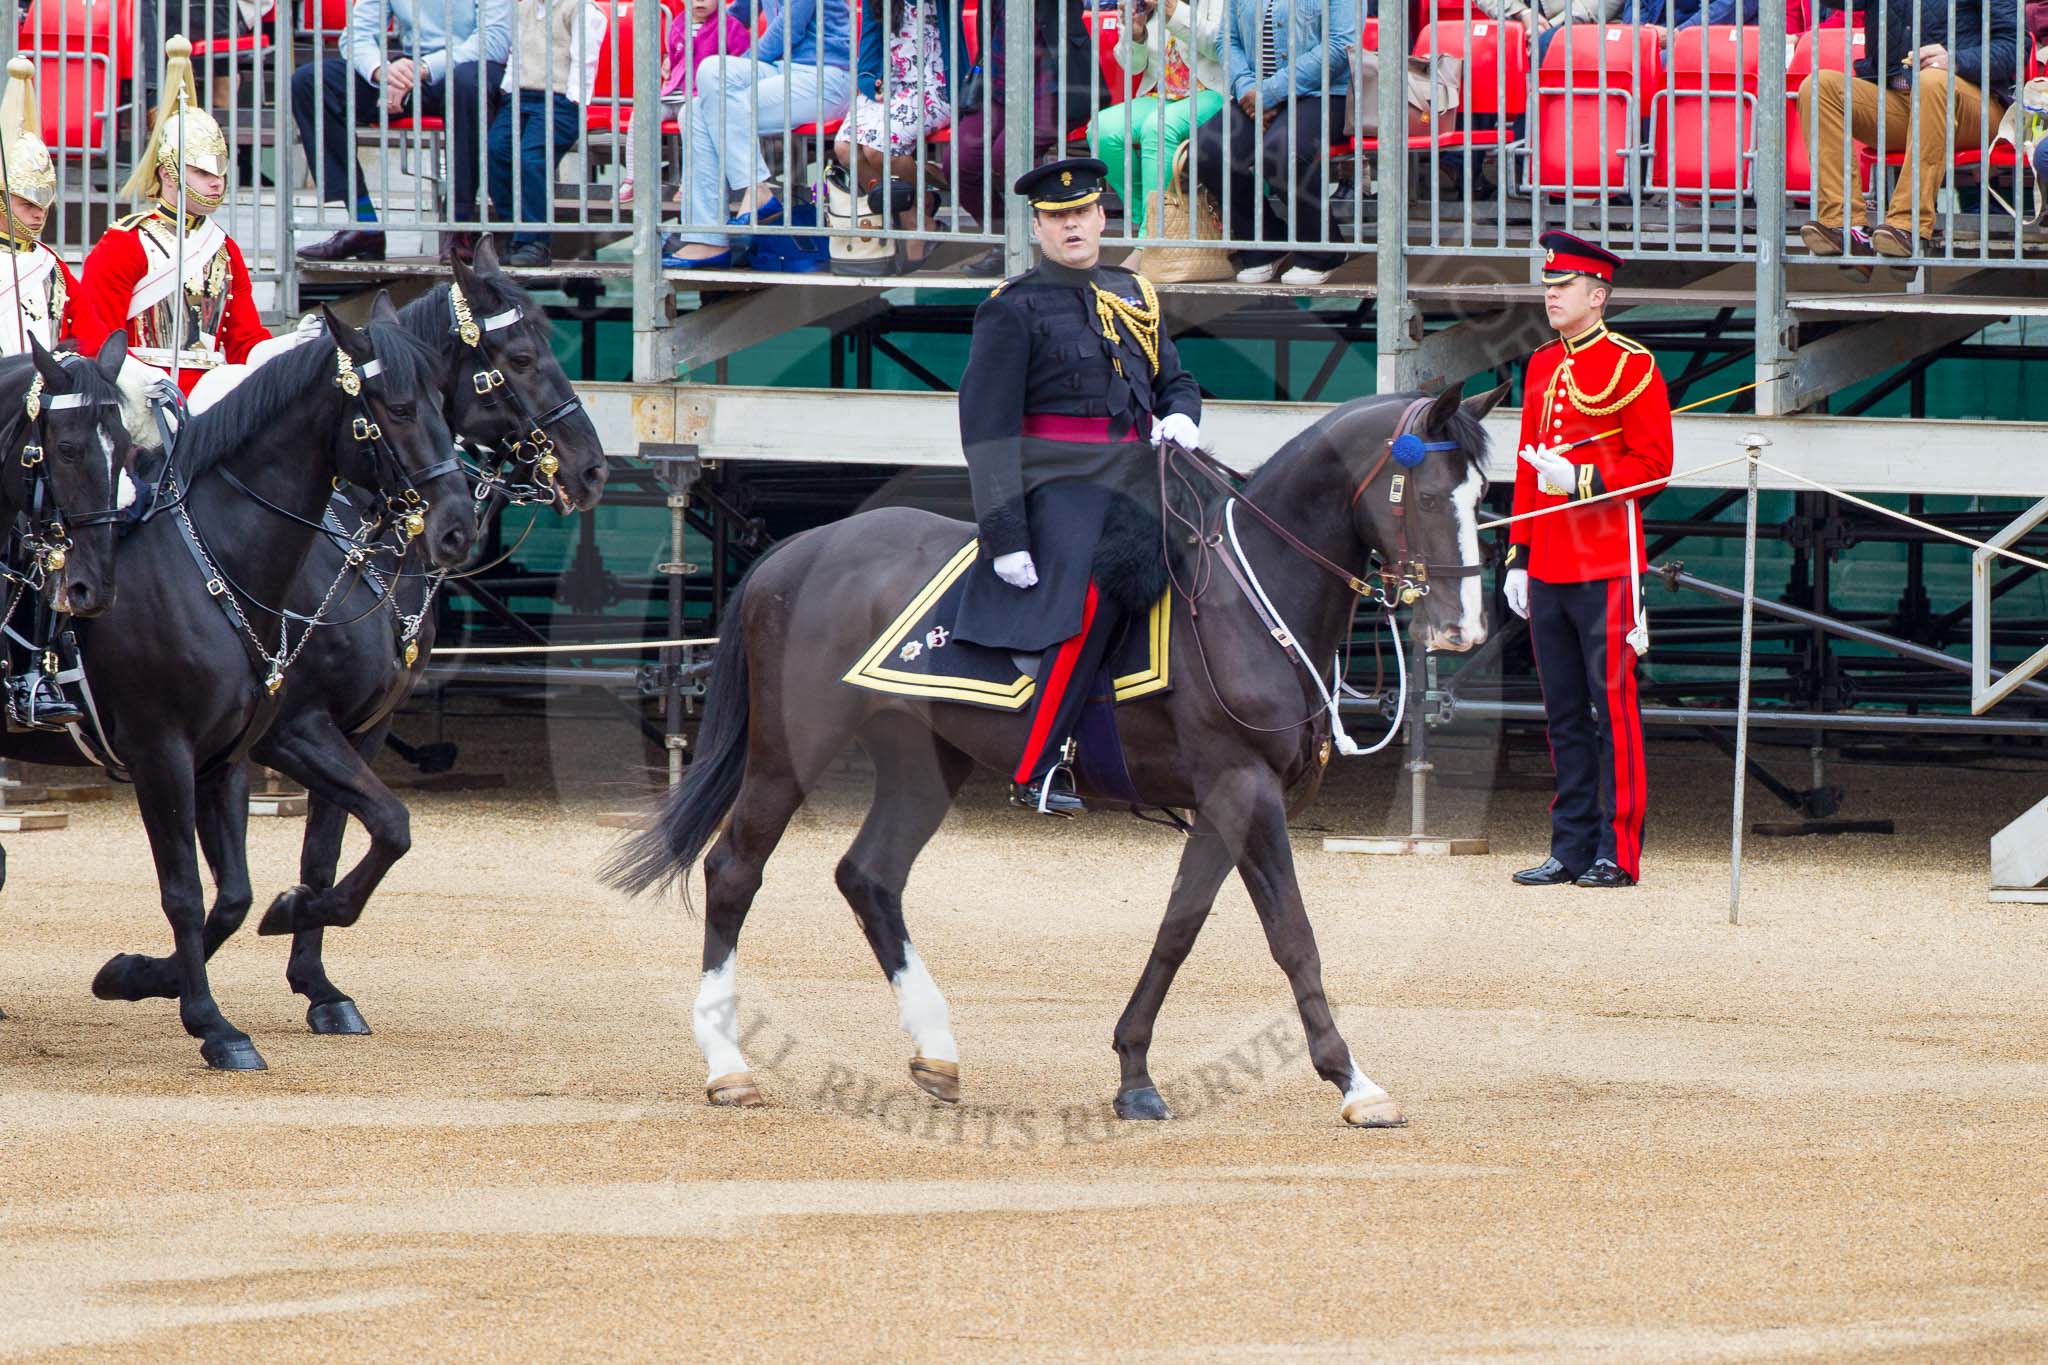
(1627, 492)
(1869, 506)
(1865, 503)
(595, 647)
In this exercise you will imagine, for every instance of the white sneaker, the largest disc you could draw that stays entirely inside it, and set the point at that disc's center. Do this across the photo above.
(1301, 274)
(1262, 273)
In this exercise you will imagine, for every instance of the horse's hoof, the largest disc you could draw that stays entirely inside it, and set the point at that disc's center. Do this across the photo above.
(232, 1054)
(336, 1017)
(116, 980)
(1374, 1111)
(734, 1091)
(283, 915)
(940, 1080)
(1142, 1104)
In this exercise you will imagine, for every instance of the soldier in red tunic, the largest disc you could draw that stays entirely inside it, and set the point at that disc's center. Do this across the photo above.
(184, 326)
(1574, 575)
(35, 284)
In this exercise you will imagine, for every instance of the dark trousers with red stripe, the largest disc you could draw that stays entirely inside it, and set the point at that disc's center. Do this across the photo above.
(1065, 676)
(1588, 673)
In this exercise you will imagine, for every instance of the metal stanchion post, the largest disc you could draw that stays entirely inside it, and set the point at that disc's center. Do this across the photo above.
(1754, 444)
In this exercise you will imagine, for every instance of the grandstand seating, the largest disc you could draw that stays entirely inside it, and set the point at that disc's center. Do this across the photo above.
(1594, 88)
(1703, 123)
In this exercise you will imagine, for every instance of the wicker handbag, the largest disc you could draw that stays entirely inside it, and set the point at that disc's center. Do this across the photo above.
(1195, 217)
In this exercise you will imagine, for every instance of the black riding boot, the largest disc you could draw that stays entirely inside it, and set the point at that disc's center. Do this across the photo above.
(34, 700)
(1052, 794)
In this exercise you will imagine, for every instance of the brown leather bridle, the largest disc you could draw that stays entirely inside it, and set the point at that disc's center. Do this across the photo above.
(1403, 578)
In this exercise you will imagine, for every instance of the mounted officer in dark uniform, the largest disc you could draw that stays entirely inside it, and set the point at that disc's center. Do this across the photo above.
(1070, 381)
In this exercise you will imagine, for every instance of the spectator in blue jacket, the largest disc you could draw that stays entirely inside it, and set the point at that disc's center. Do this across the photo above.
(1289, 67)
(443, 59)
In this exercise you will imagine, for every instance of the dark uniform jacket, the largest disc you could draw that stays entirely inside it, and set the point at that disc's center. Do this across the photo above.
(1054, 420)
(1591, 384)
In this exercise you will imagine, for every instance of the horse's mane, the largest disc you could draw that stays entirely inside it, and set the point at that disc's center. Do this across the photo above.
(1320, 437)
(429, 322)
(17, 372)
(282, 382)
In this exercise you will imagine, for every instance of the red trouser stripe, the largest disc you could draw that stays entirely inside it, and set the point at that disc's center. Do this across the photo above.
(1625, 724)
(1052, 689)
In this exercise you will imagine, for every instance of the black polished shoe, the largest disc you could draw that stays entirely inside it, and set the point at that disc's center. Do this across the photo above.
(1604, 873)
(350, 244)
(34, 702)
(1058, 795)
(528, 254)
(1550, 872)
(988, 265)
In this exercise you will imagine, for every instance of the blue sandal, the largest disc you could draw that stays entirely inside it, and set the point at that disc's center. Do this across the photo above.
(761, 215)
(721, 261)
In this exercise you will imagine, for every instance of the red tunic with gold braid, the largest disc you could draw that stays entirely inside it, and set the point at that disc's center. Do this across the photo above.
(221, 318)
(1578, 387)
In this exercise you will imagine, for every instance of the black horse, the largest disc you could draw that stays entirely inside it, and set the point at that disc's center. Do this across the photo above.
(507, 397)
(64, 456)
(1240, 741)
(183, 674)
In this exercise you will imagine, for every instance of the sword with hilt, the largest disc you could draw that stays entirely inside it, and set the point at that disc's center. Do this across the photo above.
(178, 276)
(1588, 440)
(13, 260)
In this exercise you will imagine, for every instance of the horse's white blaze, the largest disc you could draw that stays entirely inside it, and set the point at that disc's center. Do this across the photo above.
(1465, 506)
(715, 1019)
(124, 489)
(1362, 1087)
(922, 1010)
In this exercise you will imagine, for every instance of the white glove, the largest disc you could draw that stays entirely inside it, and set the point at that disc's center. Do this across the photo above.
(1016, 569)
(1561, 474)
(1518, 592)
(309, 327)
(1178, 428)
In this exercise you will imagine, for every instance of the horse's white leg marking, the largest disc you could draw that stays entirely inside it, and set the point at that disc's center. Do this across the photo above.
(922, 1010)
(715, 1020)
(1363, 1087)
(1465, 503)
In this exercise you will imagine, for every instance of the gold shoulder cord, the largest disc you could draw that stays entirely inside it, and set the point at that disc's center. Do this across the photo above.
(1142, 319)
(1592, 404)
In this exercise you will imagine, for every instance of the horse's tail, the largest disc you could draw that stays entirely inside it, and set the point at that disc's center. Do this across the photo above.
(690, 814)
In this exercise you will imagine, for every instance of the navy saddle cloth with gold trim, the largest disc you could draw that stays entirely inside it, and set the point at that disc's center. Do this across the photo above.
(918, 656)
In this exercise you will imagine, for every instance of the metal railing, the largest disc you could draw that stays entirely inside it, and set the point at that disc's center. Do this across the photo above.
(1664, 140)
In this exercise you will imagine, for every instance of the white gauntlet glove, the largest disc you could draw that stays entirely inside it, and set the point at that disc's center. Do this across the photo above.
(1016, 569)
(1554, 469)
(1178, 428)
(1518, 592)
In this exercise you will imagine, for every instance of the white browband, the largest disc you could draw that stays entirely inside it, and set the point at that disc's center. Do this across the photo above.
(498, 322)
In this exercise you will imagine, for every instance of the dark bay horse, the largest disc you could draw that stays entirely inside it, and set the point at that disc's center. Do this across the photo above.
(64, 455)
(506, 396)
(180, 670)
(1239, 742)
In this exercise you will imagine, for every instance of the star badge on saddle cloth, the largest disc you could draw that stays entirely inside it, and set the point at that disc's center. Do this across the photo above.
(1068, 184)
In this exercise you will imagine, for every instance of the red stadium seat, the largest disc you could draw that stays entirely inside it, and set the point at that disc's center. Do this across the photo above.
(324, 19)
(1496, 84)
(84, 51)
(1593, 93)
(105, 28)
(611, 100)
(1703, 123)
